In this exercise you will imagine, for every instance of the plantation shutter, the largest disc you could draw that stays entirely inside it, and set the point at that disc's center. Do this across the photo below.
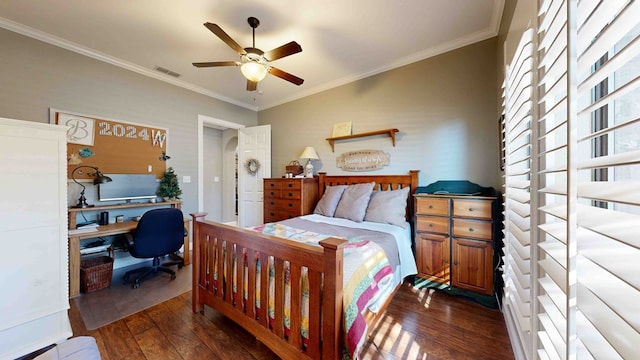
(608, 186)
(573, 155)
(517, 180)
(556, 176)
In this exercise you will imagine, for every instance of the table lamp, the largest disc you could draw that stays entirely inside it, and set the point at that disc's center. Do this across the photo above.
(99, 179)
(309, 153)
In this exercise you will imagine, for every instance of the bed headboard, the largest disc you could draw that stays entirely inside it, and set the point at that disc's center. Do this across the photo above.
(383, 183)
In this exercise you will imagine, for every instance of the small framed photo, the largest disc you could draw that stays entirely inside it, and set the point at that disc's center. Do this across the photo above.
(341, 129)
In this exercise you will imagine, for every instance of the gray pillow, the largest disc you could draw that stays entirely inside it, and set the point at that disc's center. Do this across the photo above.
(388, 207)
(327, 205)
(354, 201)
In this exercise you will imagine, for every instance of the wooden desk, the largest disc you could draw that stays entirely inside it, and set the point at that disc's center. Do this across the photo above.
(105, 230)
(73, 211)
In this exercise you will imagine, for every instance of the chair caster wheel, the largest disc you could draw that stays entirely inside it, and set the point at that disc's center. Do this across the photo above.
(136, 285)
(173, 276)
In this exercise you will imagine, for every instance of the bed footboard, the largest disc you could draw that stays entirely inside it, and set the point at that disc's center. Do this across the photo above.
(231, 275)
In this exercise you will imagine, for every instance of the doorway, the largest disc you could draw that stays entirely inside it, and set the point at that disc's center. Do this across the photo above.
(218, 199)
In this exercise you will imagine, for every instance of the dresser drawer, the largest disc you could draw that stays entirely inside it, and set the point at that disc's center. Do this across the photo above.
(287, 193)
(477, 229)
(432, 206)
(272, 185)
(291, 185)
(272, 193)
(434, 224)
(480, 209)
(272, 215)
(284, 204)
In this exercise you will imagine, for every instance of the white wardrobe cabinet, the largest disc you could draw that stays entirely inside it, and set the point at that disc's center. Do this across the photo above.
(33, 237)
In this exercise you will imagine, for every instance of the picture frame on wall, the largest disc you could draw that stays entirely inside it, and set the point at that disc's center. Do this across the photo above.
(341, 129)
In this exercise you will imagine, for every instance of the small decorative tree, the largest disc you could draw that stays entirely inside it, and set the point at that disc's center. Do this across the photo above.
(169, 188)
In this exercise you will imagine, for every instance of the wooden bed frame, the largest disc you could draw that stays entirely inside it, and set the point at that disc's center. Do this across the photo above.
(324, 265)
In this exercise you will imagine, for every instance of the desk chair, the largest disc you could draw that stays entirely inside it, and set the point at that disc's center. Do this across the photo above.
(159, 232)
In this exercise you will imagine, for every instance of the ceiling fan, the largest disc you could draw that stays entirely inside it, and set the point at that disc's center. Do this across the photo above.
(254, 63)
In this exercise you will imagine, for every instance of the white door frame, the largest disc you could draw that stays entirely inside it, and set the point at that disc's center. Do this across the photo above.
(208, 121)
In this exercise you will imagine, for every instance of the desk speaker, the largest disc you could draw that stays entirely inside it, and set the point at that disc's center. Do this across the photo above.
(104, 218)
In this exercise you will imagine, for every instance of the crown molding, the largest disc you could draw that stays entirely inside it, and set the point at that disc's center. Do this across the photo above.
(82, 50)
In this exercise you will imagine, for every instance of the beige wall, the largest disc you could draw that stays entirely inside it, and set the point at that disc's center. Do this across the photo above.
(444, 107)
(35, 76)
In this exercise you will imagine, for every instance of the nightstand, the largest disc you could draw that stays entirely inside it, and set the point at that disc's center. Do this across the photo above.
(455, 236)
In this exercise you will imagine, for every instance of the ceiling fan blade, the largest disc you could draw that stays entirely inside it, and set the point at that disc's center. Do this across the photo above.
(216, 63)
(224, 37)
(252, 85)
(286, 76)
(282, 51)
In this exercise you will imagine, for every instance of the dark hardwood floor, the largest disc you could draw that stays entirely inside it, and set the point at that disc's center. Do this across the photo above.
(419, 324)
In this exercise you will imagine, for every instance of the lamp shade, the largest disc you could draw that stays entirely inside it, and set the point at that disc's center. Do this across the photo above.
(253, 71)
(309, 153)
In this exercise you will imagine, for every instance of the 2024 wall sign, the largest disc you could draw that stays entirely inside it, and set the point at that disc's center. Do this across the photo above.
(132, 132)
(81, 130)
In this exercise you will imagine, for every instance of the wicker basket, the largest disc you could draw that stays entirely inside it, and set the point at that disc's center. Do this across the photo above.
(95, 273)
(294, 168)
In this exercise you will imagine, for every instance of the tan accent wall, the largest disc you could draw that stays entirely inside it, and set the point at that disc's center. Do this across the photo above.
(444, 106)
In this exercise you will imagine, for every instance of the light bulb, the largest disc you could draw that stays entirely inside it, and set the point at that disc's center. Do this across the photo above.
(253, 71)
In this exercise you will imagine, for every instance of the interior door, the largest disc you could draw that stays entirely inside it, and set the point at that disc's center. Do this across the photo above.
(253, 143)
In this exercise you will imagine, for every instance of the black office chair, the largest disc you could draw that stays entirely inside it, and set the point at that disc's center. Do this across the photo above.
(159, 232)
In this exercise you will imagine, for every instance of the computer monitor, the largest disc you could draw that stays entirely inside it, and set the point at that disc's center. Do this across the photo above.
(128, 187)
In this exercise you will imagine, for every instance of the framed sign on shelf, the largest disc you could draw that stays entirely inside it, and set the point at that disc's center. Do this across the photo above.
(341, 129)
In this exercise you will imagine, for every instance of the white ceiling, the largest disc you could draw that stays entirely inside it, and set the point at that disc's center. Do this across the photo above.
(342, 40)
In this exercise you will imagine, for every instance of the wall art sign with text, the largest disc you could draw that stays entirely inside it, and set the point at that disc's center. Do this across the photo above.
(362, 160)
(115, 146)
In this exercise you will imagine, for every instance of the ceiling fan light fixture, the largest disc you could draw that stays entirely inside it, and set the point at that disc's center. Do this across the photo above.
(254, 63)
(253, 71)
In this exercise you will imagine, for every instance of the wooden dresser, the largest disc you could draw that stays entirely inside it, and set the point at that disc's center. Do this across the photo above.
(285, 198)
(455, 236)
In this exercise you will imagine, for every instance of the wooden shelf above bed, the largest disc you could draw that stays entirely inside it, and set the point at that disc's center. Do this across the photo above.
(390, 132)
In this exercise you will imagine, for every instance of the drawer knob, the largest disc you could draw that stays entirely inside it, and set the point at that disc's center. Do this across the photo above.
(290, 205)
(470, 229)
(272, 193)
(470, 209)
(455, 263)
(430, 225)
(289, 185)
(290, 194)
(430, 206)
(273, 203)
